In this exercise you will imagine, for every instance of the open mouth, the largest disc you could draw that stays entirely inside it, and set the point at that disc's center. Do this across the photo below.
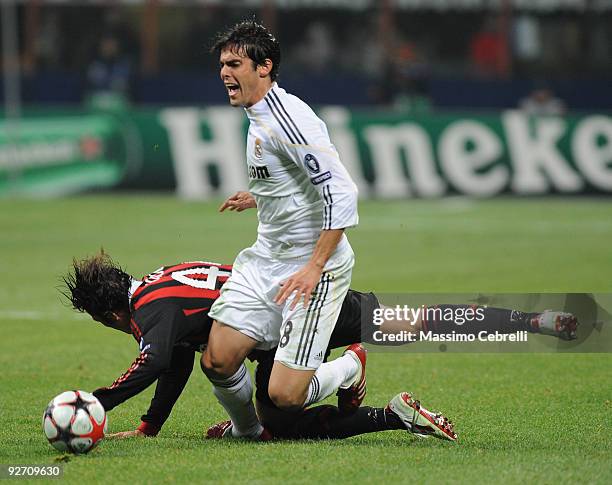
(232, 89)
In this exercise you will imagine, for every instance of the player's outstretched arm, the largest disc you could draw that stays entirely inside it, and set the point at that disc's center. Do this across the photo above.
(238, 202)
(170, 385)
(156, 345)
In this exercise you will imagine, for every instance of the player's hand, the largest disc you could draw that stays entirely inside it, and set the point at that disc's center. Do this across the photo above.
(302, 283)
(238, 202)
(125, 434)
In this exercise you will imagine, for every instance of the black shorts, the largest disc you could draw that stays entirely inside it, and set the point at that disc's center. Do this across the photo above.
(356, 307)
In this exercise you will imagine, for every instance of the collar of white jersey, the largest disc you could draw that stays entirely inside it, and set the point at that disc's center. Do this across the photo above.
(133, 287)
(262, 106)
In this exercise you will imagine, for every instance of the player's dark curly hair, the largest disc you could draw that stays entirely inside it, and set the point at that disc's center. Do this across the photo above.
(97, 285)
(252, 38)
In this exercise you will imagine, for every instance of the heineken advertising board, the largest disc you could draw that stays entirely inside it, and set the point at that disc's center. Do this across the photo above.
(57, 155)
(200, 152)
(393, 156)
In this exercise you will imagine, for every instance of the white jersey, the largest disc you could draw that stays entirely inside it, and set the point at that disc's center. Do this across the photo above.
(296, 177)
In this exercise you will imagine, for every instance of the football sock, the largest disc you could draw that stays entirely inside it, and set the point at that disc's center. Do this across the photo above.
(499, 320)
(235, 395)
(329, 377)
(327, 422)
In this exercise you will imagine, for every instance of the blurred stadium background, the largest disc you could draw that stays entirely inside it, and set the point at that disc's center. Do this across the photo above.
(422, 98)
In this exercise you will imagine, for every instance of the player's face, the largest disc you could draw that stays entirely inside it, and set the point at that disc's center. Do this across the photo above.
(245, 83)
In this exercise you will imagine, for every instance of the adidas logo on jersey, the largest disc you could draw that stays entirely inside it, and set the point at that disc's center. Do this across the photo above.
(319, 356)
(258, 172)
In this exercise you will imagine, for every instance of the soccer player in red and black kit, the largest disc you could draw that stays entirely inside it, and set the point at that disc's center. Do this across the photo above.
(167, 313)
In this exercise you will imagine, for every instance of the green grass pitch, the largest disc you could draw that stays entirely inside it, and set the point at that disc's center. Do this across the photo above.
(531, 418)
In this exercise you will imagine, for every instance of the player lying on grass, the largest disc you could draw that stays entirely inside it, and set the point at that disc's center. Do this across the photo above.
(167, 313)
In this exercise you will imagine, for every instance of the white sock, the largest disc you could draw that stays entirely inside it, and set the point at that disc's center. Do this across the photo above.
(329, 377)
(235, 395)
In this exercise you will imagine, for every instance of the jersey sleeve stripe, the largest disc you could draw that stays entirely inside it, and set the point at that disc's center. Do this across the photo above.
(326, 210)
(327, 220)
(275, 96)
(135, 365)
(325, 216)
(291, 139)
(331, 204)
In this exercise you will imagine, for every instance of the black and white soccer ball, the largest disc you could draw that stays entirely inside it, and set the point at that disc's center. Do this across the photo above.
(74, 421)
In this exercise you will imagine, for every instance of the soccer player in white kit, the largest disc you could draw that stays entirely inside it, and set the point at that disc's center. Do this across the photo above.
(287, 289)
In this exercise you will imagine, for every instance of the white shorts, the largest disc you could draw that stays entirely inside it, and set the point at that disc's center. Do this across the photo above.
(302, 335)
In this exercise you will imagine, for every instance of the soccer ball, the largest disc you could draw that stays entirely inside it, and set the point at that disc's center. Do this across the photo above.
(74, 421)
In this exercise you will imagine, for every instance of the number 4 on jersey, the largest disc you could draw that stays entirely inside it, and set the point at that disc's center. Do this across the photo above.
(193, 277)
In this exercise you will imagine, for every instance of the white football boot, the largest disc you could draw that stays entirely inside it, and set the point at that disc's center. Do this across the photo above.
(419, 420)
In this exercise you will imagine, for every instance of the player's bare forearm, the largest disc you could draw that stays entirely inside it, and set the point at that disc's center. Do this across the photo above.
(238, 202)
(326, 245)
(305, 280)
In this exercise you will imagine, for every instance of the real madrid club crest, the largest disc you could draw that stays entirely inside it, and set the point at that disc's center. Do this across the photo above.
(258, 149)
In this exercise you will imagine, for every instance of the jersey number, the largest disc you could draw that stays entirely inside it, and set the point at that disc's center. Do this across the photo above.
(210, 283)
(285, 335)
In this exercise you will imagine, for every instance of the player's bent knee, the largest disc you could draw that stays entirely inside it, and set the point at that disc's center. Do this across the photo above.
(286, 399)
(288, 387)
(214, 365)
(227, 348)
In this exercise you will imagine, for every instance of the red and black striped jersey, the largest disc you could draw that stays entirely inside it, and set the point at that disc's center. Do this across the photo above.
(169, 320)
(193, 286)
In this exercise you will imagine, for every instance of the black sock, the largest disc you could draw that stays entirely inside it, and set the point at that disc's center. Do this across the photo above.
(326, 422)
(490, 319)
